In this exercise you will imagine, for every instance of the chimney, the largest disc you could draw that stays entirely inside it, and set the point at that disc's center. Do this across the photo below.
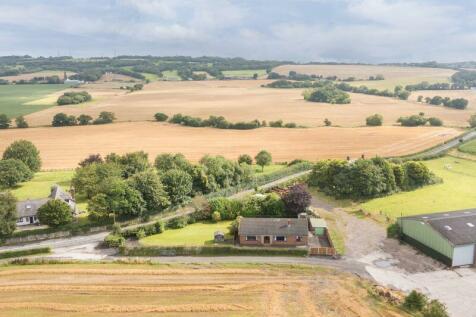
(289, 223)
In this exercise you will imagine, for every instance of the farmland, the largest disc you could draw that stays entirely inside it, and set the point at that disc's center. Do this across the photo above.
(28, 76)
(18, 100)
(89, 290)
(245, 100)
(456, 192)
(246, 73)
(72, 144)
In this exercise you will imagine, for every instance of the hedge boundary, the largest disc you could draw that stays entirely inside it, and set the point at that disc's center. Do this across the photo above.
(20, 253)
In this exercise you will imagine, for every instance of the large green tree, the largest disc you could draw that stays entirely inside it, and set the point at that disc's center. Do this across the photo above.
(55, 213)
(12, 172)
(8, 214)
(26, 152)
(87, 179)
(178, 185)
(263, 159)
(149, 185)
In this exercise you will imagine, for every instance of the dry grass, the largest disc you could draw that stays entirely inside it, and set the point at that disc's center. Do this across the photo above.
(263, 291)
(65, 147)
(107, 77)
(242, 100)
(44, 73)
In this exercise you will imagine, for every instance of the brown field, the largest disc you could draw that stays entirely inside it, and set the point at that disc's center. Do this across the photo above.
(29, 76)
(107, 77)
(80, 290)
(364, 71)
(65, 147)
(243, 100)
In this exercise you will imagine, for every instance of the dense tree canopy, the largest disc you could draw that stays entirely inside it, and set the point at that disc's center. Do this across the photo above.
(55, 213)
(149, 185)
(263, 158)
(8, 214)
(374, 120)
(178, 185)
(296, 199)
(12, 172)
(26, 152)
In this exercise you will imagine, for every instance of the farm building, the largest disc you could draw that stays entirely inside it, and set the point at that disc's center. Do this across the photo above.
(318, 226)
(447, 236)
(273, 231)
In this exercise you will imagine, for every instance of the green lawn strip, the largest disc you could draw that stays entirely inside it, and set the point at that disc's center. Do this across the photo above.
(14, 97)
(196, 234)
(40, 185)
(170, 75)
(244, 73)
(456, 192)
(403, 81)
(268, 169)
(468, 147)
(26, 252)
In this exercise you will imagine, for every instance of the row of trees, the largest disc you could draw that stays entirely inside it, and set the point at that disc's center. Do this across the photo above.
(19, 162)
(63, 120)
(365, 179)
(457, 103)
(73, 97)
(424, 85)
(398, 91)
(5, 122)
(327, 94)
(419, 120)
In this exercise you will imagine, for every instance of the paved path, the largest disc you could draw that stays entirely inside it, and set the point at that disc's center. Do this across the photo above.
(449, 145)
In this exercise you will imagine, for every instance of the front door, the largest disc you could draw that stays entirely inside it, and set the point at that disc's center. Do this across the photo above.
(31, 220)
(267, 240)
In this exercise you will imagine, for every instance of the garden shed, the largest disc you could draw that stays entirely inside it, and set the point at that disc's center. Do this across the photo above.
(318, 226)
(219, 236)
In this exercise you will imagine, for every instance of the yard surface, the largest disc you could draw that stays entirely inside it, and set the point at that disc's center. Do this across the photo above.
(40, 185)
(284, 144)
(195, 234)
(93, 290)
(456, 192)
(18, 100)
(469, 147)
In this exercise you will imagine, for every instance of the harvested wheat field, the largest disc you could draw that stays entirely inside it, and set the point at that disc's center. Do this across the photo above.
(84, 290)
(242, 100)
(44, 73)
(65, 147)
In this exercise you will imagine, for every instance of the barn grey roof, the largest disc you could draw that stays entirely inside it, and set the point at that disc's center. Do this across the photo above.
(29, 208)
(273, 226)
(58, 193)
(459, 226)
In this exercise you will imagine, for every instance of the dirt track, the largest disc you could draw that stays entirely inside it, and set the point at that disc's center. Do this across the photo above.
(65, 147)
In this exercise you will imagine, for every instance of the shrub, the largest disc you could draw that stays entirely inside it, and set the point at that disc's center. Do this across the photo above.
(4, 121)
(297, 199)
(159, 116)
(21, 122)
(435, 309)
(73, 98)
(84, 119)
(393, 231)
(245, 159)
(327, 122)
(435, 122)
(114, 241)
(328, 94)
(63, 120)
(412, 121)
(178, 222)
(26, 152)
(374, 120)
(216, 216)
(22, 253)
(415, 301)
(12, 172)
(105, 117)
(55, 213)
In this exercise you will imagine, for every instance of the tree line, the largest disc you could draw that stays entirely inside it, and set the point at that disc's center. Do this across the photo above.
(73, 98)
(63, 120)
(457, 103)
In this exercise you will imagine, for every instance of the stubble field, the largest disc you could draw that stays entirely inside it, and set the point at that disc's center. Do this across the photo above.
(243, 100)
(145, 290)
(65, 147)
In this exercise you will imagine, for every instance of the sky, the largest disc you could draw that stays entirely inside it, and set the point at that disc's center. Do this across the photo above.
(366, 31)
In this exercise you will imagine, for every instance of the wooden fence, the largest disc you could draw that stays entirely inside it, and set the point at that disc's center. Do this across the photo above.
(326, 251)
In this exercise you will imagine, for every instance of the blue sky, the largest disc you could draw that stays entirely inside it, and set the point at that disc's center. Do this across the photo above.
(372, 31)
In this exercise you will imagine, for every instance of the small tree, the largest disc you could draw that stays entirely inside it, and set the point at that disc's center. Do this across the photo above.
(63, 120)
(327, 122)
(435, 309)
(472, 121)
(4, 121)
(263, 159)
(255, 76)
(435, 122)
(26, 152)
(297, 199)
(12, 172)
(105, 117)
(84, 119)
(55, 213)
(93, 158)
(415, 301)
(216, 216)
(21, 122)
(245, 159)
(374, 120)
(8, 214)
(159, 116)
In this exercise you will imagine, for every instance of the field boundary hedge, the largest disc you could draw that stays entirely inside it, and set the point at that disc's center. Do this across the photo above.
(212, 251)
(20, 253)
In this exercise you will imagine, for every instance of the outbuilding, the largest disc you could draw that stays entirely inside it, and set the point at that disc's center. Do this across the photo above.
(447, 236)
(273, 232)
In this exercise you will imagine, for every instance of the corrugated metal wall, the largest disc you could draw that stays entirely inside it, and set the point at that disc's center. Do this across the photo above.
(424, 234)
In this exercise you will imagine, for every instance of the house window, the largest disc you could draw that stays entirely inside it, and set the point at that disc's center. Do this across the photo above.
(250, 238)
(298, 239)
(280, 238)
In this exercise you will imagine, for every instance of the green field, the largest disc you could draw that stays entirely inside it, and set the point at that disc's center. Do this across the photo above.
(268, 169)
(468, 147)
(244, 73)
(170, 75)
(456, 192)
(391, 83)
(151, 77)
(13, 98)
(39, 186)
(193, 235)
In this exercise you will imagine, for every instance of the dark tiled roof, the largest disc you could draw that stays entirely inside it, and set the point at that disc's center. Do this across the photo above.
(273, 226)
(30, 208)
(58, 193)
(459, 227)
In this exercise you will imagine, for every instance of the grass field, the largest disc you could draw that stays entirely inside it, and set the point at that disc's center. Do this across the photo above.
(456, 192)
(469, 147)
(44, 73)
(196, 234)
(18, 100)
(268, 169)
(72, 144)
(245, 290)
(245, 100)
(40, 185)
(170, 75)
(151, 77)
(245, 73)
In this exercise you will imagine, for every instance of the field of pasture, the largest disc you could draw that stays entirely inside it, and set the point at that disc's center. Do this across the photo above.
(93, 290)
(44, 73)
(244, 100)
(64, 147)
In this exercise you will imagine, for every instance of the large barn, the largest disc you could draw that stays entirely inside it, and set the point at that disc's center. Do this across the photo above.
(447, 236)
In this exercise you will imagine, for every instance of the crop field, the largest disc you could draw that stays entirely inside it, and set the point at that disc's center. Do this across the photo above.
(456, 192)
(244, 100)
(245, 73)
(44, 73)
(72, 144)
(18, 100)
(116, 77)
(94, 290)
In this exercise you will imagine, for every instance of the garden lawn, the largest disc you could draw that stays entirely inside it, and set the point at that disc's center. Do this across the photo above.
(268, 169)
(40, 185)
(196, 234)
(469, 147)
(18, 100)
(244, 73)
(458, 191)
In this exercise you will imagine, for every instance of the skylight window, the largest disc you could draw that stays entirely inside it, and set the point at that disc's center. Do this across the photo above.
(470, 224)
(448, 228)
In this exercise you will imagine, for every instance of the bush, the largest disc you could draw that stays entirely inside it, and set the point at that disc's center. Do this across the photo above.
(435, 309)
(22, 253)
(374, 120)
(105, 117)
(69, 98)
(63, 120)
(178, 222)
(393, 231)
(4, 121)
(216, 216)
(435, 122)
(245, 159)
(12, 172)
(21, 122)
(26, 152)
(161, 117)
(55, 213)
(415, 301)
(412, 121)
(297, 199)
(84, 119)
(114, 241)
(327, 122)
(328, 94)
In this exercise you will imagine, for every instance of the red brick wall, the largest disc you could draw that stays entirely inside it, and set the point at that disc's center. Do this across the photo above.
(290, 241)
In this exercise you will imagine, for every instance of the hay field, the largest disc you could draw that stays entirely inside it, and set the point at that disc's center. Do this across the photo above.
(116, 77)
(239, 100)
(65, 147)
(112, 290)
(43, 73)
